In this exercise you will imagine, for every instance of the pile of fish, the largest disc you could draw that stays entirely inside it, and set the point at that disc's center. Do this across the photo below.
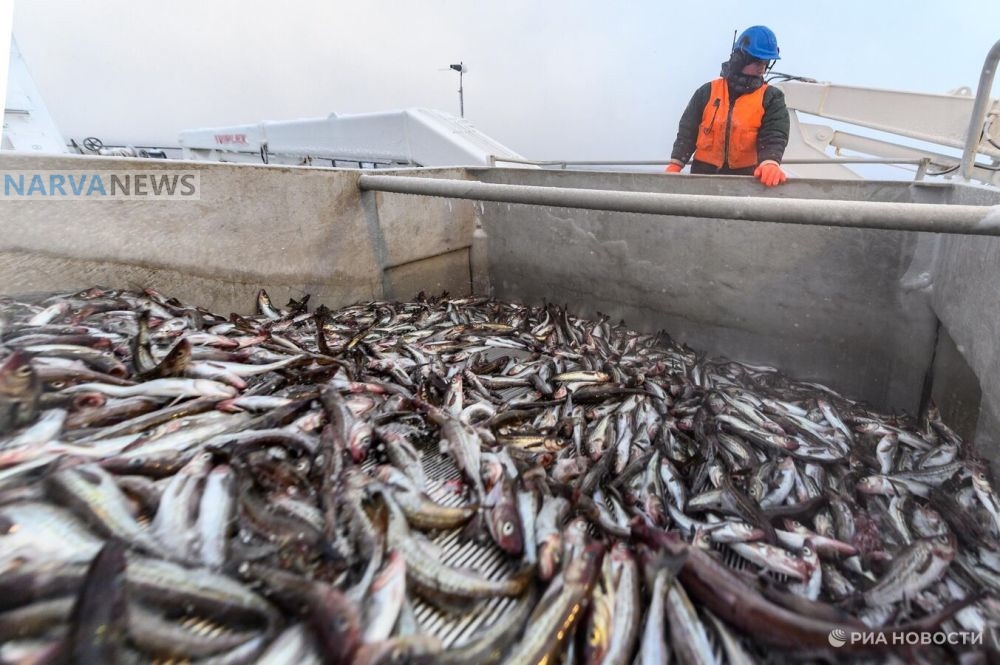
(460, 481)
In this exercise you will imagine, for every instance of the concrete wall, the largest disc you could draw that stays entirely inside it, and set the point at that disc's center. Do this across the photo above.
(289, 230)
(425, 242)
(955, 387)
(966, 297)
(824, 304)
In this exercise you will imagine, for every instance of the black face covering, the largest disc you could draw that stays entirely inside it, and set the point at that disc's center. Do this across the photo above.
(740, 83)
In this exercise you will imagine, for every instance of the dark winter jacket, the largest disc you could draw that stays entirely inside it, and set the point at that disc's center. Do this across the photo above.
(771, 139)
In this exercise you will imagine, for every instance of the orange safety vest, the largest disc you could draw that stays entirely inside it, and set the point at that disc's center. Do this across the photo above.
(725, 140)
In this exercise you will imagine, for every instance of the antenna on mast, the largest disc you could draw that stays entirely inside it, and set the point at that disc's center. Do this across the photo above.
(461, 69)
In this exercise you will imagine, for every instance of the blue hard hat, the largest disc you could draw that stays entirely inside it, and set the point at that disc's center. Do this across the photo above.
(759, 42)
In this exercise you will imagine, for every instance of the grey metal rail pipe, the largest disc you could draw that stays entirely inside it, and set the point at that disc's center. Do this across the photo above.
(978, 117)
(961, 219)
(647, 162)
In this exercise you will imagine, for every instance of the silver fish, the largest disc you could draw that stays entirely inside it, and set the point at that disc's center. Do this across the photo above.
(921, 564)
(215, 516)
(92, 492)
(688, 636)
(162, 388)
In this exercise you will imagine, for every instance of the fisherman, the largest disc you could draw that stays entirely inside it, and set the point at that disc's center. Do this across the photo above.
(737, 124)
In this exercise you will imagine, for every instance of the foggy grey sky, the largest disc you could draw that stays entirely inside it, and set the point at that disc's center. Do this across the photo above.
(552, 79)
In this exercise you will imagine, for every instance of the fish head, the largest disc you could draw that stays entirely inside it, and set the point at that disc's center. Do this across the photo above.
(360, 440)
(715, 402)
(702, 540)
(875, 485)
(336, 621)
(176, 361)
(454, 399)
(576, 532)
(493, 473)
(504, 524)
(653, 506)
(810, 556)
(89, 400)
(786, 442)
(553, 444)
(17, 377)
(823, 522)
(793, 525)
(931, 519)
(264, 302)
(549, 556)
(621, 552)
(583, 568)
(981, 481)
(944, 546)
(360, 404)
(199, 465)
(223, 473)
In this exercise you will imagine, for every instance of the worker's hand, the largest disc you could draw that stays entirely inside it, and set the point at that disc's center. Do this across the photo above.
(673, 167)
(770, 174)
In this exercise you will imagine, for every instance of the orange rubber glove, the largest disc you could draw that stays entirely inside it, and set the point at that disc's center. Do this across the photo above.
(673, 167)
(769, 173)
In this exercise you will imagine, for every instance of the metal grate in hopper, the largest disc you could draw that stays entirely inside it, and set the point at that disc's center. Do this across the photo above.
(456, 629)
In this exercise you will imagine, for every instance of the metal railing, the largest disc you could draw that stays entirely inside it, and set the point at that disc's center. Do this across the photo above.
(921, 163)
(958, 219)
(978, 117)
